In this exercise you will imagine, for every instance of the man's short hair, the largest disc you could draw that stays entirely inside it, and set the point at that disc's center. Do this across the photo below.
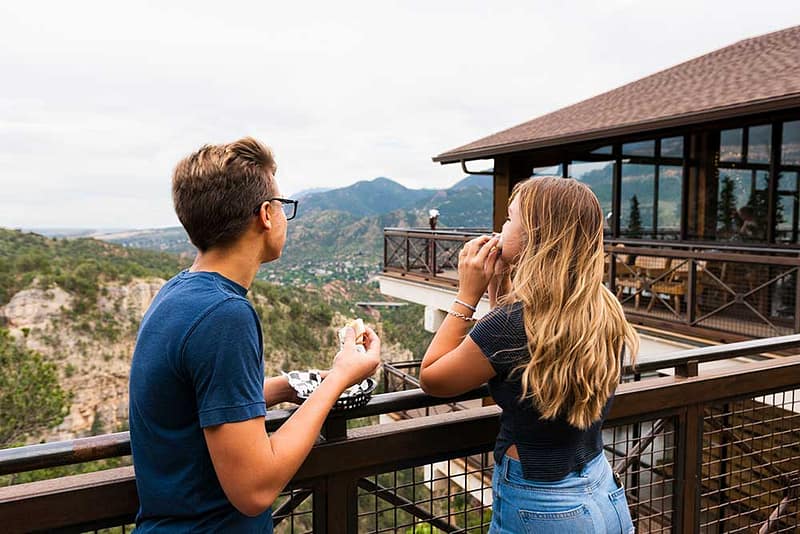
(216, 189)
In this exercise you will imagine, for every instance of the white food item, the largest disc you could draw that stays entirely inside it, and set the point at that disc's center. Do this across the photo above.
(358, 326)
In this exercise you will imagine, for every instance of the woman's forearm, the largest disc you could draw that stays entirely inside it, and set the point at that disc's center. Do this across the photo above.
(450, 334)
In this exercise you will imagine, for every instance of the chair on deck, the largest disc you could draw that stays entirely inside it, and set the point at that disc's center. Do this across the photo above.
(644, 267)
(676, 284)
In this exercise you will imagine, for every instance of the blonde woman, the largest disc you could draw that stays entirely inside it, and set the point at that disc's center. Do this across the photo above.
(551, 350)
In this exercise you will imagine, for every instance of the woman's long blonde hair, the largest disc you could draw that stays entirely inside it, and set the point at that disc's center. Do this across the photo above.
(575, 326)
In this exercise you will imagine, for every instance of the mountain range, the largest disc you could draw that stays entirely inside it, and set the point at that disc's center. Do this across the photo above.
(338, 233)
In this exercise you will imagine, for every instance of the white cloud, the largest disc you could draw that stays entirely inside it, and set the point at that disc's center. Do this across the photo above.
(100, 101)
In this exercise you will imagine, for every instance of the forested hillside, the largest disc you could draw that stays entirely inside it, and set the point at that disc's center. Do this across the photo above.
(70, 310)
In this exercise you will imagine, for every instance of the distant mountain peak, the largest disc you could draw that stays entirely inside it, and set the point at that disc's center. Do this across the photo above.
(475, 180)
(307, 192)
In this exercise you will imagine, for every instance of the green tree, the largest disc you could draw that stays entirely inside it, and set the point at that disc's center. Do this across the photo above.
(758, 203)
(726, 211)
(635, 219)
(31, 399)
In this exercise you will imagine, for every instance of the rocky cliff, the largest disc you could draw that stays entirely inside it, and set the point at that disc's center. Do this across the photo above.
(92, 348)
(92, 354)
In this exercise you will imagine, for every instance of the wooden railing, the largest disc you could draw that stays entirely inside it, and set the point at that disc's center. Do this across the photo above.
(712, 290)
(712, 452)
(430, 255)
(724, 293)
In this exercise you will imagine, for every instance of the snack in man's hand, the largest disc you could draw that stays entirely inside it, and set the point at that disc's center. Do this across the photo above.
(358, 327)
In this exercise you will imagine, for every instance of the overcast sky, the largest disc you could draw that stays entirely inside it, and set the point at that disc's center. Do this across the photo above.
(98, 101)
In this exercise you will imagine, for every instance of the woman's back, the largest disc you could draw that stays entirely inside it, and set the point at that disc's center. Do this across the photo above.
(548, 449)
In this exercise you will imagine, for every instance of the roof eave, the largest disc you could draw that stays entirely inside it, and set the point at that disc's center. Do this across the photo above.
(686, 119)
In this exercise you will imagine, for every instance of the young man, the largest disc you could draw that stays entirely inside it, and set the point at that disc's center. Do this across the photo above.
(203, 460)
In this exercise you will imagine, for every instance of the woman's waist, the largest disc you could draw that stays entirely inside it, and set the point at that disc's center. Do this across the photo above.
(550, 442)
(582, 477)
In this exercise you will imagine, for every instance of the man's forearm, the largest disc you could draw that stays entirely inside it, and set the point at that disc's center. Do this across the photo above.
(277, 390)
(292, 442)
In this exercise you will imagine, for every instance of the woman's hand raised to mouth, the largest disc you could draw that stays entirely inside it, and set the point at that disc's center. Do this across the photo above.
(477, 265)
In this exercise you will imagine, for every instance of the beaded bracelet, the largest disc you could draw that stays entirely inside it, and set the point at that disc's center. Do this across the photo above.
(468, 306)
(461, 316)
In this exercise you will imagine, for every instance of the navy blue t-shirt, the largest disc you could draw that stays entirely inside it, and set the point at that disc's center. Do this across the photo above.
(197, 363)
(548, 449)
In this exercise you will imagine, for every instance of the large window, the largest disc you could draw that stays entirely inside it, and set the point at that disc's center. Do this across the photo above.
(790, 148)
(730, 184)
(650, 189)
(651, 201)
(599, 176)
(552, 170)
(650, 192)
(742, 205)
(743, 211)
(638, 195)
(788, 207)
(668, 212)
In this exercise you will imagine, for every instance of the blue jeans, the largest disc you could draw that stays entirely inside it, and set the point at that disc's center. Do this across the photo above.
(586, 501)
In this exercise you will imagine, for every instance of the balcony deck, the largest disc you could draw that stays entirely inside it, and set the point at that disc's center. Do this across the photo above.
(717, 292)
(700, 450)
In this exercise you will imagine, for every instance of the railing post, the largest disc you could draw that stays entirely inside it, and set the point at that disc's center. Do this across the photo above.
(433, 257)
(428, 247)
(334, 428)
(688, 474)
(691, 298)
(687, 369)
(337, 500)
(407, 269)
(797, 301)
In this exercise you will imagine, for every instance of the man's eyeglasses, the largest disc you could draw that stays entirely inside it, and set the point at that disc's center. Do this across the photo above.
(289, 207)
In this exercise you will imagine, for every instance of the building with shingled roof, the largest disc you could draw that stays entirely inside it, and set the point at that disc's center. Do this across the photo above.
(697, 169)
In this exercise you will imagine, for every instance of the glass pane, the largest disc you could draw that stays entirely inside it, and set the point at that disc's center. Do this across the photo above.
(672, 147)
(759, 142)
(730, 145)
(554, 170)
(786, 210)
(598, 176)
(641, 148)
(605, 150)
(670, 180)
(638, 185)
(742, 205)
(790, 150)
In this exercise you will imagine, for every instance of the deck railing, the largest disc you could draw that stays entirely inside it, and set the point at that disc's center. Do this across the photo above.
(715, 452)
(426, 254)
(718, 291)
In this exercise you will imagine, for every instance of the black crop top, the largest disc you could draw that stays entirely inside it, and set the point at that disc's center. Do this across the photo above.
(548, 450)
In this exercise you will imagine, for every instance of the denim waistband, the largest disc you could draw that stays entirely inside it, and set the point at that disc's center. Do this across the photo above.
(593, 474)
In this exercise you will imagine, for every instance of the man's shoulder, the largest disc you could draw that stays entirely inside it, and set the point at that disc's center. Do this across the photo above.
(187, 303)
(230, 308)
(203, 293)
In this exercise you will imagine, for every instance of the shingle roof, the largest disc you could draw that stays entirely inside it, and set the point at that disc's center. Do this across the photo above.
(758, 74)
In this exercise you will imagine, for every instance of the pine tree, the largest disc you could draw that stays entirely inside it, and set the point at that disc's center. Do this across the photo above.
(726, 211)
(31, 400)
(635, 219)
(758, 202)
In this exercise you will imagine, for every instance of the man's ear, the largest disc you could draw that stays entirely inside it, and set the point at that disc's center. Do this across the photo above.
(264, 216)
